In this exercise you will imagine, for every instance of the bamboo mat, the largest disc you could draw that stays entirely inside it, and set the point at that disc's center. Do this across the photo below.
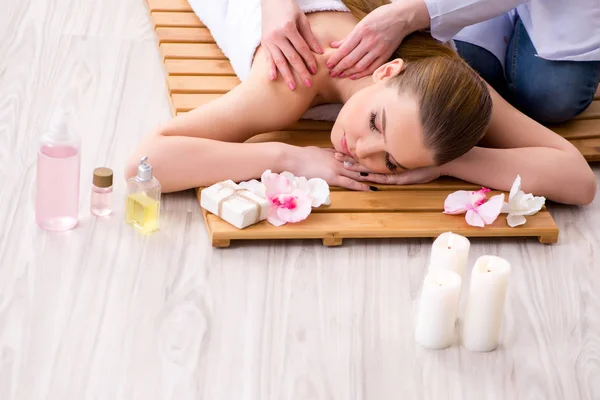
(197, 72)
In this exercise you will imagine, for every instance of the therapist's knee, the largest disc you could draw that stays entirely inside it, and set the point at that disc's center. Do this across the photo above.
(552, 104)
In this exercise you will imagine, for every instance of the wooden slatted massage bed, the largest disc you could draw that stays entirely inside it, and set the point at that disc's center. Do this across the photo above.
(197, 72)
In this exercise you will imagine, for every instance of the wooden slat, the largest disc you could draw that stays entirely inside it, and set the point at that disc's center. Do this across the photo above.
(202, 84)
(592, 112)
(579, 129)
(409, 200)
(169, 5)
(382, 225)
(193, 51)
(199, 67)
(184, 35)
(171, 19)
(295, 138)
(589, 148)
(310, 125)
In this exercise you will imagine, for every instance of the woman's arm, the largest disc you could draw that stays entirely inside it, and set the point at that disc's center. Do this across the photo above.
(204, 146)
(549, 165)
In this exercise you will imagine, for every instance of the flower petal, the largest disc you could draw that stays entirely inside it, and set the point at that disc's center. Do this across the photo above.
(302, 184)
(273, 217)
(515, 220)
(490, 210)
(457, 202)
(319, 191)
(275, 184)
(516, 187)
(301, 210)
(474, 219)
(256, 187)
(290, 177)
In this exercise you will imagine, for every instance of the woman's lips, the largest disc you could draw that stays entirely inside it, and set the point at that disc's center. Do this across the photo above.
(344, 144)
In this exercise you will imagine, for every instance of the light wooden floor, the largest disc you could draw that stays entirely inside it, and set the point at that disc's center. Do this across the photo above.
(103, 313)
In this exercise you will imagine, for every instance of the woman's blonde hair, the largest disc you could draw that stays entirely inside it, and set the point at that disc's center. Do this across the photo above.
(454, 102)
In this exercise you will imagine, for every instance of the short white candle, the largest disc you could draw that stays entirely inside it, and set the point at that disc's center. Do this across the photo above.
(450, 251)
(485, 304)
(438, 307)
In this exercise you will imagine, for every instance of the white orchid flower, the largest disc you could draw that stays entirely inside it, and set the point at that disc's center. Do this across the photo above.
(521, 204)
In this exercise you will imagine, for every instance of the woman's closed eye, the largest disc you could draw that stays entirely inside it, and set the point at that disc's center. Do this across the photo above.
(388, 163)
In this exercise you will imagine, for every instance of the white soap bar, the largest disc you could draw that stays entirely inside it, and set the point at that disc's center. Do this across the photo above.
(241, 209)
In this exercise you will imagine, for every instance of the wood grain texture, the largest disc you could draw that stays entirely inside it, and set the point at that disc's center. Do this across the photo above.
(103, 313)
(397, 224)
(177, 19)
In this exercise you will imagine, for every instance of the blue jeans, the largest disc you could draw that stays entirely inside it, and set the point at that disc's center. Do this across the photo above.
(548, 91)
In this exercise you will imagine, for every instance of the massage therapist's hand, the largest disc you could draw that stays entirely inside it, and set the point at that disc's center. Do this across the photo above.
(376, 37)
(314, 162)
(288, 39)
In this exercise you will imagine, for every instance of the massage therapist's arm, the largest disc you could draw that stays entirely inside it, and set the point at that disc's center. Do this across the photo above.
(549, 165)
(377, 36)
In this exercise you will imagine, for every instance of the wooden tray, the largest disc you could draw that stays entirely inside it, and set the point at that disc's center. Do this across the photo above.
(197, 72)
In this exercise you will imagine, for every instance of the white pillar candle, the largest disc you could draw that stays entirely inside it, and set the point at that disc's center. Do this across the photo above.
(451, 252)
(438, 307)
(485, 303)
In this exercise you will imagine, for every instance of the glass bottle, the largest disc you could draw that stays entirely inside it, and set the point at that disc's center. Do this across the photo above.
(57, 183)
(143, 199)
(102, 188)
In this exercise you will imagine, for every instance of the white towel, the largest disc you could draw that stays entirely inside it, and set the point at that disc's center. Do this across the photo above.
(236, 27)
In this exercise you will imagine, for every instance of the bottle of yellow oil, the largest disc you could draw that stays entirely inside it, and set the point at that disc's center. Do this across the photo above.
(143, 199)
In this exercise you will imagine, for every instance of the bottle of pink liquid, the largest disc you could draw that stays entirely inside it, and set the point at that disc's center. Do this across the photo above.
(58, 165)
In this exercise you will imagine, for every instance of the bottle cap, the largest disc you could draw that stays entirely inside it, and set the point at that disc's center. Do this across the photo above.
(58, 129)
(103, 177)
(144, 170)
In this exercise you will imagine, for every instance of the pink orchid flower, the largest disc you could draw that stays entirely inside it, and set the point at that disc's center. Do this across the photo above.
(480, 211)
(287, 203)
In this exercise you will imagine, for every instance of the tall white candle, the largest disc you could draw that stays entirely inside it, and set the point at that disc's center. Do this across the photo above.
(438, 307)
(450, 251)
(485, 304)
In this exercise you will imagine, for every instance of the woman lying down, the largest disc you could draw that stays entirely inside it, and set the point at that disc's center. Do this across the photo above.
(422, 115)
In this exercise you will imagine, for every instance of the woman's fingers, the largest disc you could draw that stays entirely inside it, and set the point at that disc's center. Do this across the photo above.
(356, 73)
(344, 47)
(350, 60)
(343, 158)
(307, 65)
(281, 62)
(295, 60)
(308, 36)
(270, 64)
(348, 183)
(336, 45)
(361, 65)
(384, 179)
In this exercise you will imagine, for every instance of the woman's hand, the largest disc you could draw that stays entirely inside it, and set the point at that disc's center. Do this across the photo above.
(410, 177)
(376, 37)
(315, 162)
(287, 37)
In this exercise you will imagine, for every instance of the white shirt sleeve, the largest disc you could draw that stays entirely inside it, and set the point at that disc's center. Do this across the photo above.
(448, 17)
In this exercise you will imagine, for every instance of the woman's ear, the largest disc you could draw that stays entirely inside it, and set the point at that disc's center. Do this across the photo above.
(388, 70)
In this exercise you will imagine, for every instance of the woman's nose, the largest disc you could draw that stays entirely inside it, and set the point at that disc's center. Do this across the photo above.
(368, 147)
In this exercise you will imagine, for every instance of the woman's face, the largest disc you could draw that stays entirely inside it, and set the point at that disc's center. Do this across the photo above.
(381, 130)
